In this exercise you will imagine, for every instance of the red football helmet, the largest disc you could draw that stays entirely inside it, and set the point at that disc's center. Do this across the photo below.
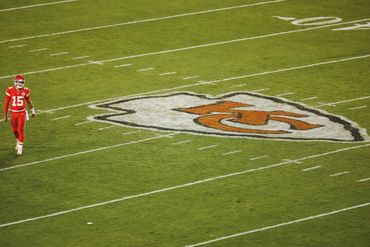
(19, 81)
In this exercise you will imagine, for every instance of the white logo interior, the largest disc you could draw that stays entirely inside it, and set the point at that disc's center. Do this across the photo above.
(237, 114)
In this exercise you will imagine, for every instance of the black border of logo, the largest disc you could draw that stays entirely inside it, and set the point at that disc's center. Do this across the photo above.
(355, 132)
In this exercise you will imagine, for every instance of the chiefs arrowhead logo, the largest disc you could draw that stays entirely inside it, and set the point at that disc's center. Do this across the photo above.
(237, 114)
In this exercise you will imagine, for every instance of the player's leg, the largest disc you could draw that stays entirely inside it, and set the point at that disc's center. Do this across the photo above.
(14, 124)
(21, 125)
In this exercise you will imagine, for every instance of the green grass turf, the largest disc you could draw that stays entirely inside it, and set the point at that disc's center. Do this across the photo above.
(199, 212)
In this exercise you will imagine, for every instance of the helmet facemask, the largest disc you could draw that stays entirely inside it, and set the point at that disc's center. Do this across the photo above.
(19, 84)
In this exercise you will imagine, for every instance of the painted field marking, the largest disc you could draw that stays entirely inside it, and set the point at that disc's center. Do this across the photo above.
(58, 118)
(59, 53)
(297, 67)
(36, 5)
(190, 77)
(207, 147)
(232, 152)
(182, 86)
(95, 62)
(16, 46)
(145, 69)
(206, 45)
(343, 101)
(338, 174)
(260, 90)
(292, 161)
(358, 107)
(309, 98)
(108, 127)
(311, 168)
(79, 153)
(239, 85)
(168, 73)
(78, 58)
(284, 94)
(123, 65)
(226, 42)
(36, 50)
(85, 122)
(140, 21)
(168, 188)
(132, 132)
(280, 225)
(363, 180)
(259, 157)
(180, 142)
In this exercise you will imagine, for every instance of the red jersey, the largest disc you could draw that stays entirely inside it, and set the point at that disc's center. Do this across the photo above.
(17, 98)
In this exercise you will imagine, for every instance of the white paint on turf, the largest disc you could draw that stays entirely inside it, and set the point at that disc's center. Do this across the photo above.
(207, 147)
(125, 198)
(338, 174)
(259, 157)
(232, 152)
(140, 21)
(59, 53)
(311, 168)
(343, 101)
(363, 180)
(280, 225)
(358, 107)
(36, 5)
(58, 118)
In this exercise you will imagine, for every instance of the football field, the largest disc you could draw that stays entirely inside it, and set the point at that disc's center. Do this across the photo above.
(187, 123)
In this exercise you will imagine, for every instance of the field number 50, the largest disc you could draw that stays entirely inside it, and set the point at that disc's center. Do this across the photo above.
(317, 21)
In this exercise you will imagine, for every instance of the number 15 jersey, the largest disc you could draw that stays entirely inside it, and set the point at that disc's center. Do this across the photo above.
(18, 98)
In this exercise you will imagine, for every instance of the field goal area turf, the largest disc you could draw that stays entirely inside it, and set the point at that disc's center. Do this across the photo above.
(188, 123)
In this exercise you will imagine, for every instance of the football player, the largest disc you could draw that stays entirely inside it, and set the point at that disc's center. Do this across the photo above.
(18, 97)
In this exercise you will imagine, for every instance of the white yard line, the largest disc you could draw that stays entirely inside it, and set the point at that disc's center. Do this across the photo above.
(280, 225)
(297, 67)
(139, 21)
(227, 42)
(84, 122)
(358, 107)
(239, 85)
(36, 50)
(164, 189)
(180, 142)
(16, 46)
(168, 73)
(181, 86)
(145, 69)
(123, 65)
(284, 94)
(59, 54)
(311, 168)
(338, 174)
(108, 127)
(260, 90)
(259, 157)
(309, 98)
(78, 58)
(36, 5)
(58, 118)
(232, 152)
(207, 147)
(206, 45)
(78, 153)
(363, 180)
(133, 132)
(343, 101)
(190, 77)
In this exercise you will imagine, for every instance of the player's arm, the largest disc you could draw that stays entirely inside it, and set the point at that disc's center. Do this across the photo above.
(6, 106)
(30, 105)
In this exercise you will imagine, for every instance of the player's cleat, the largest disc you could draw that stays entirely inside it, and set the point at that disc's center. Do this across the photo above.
(20, 149)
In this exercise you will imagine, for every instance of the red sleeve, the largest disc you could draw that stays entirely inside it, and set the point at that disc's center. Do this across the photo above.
(28, 94)
(6, 103)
